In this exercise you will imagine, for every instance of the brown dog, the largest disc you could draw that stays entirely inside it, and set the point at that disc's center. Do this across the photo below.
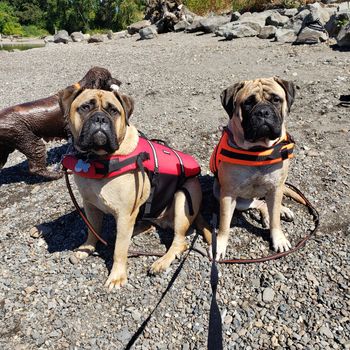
(98, 121)
(257, 111)
(23, 126)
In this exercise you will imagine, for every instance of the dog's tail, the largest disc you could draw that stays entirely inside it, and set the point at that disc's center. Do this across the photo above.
(203, 227)
(289, 192)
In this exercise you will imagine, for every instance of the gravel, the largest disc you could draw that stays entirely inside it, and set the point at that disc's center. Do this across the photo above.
(299, 302)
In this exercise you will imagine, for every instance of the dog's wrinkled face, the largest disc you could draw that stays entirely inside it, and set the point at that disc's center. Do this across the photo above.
(97, 119)
(258, 108)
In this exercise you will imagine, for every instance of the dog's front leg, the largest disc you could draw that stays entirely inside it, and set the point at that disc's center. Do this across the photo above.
(95, 217)
(227, 207)
(118, 275)
(274, 204)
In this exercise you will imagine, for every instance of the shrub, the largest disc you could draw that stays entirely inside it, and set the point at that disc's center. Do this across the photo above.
(203, 7)
(12, 28)
(34, 31)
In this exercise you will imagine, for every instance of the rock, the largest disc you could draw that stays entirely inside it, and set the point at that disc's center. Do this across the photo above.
(235, 16)
(195, 26)
(268, 295)
(49, 39)
(181, 26)
(285, 35)
(317, 13)
(62, 37)
(110, 35)
(302, 14)
(334, 25)
(77, 37)
(34, 232)
(148, 32)
(137, 26)
(290, 12)
(343, 38)
(324, 330)
(211, 24)
(87, 37)
(267, 32)
(294, 24)
(240, 31)
(253, 24)
(311, 36)
(276, 19)
(96, 38)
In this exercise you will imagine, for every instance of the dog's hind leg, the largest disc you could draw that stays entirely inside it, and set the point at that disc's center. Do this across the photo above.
(183, 218)
(34, 149)
(95, 216)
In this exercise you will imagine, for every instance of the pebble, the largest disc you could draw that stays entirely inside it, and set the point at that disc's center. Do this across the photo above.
(324, 330)
(268, 295)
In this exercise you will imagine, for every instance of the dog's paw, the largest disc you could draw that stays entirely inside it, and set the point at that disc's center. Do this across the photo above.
(279, 242)
(286, 214)
(116, 280)
(221, 245)
(161, 264)
(84, 251)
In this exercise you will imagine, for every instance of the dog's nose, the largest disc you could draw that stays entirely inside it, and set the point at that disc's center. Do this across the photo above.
(262, 113)
(99, 118)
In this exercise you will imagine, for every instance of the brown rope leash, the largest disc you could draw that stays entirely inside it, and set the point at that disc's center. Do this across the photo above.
(135, 253)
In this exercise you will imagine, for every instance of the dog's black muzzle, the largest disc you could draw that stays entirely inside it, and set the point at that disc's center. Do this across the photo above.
(263, 121)
(98, 132)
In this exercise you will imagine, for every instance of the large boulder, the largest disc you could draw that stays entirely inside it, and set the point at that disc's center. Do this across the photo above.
(211, 24)
(77, 37)
(62, 36)
(49, 39)
(317, 13)
(181, 25)
(285, 35)
(343, 38)
(290, 12)
(276, 19)
(267, 32)
(334, 25)
(240, 31)
(195, 26)
(312, 35)
(235, 16)
(149, 32)
(137, 26)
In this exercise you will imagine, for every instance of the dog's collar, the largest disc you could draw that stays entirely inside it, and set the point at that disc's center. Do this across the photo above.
(227, 151)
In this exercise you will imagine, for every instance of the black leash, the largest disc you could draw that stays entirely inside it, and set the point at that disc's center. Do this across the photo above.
(215, 323)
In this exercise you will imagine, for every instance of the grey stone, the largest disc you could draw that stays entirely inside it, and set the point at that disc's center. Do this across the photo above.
(277, 20)
(211, 24)
(195, 26)
(343, 38)
(181, 26)
(123, 335)
(96, 38)
(268, 295)
(62, 36)
(290, 12)
(240, 31)
(253, 24)
(311, 36)
(77, 37)
(148, 32)
(294, 24)
(285, 36)
(334, 25)
(301, 15)
(110, 35)
(317, 13)
(267, 32)
(235, 16)
(324, 330)
(49, 39)
(137, 26)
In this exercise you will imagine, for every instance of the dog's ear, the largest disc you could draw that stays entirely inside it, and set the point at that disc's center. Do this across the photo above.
(127, 103)
(228, 97)
(289, 89)
(67, 96)
(114, 84)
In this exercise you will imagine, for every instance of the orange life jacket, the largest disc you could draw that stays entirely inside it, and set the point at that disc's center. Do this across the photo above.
(260, 156)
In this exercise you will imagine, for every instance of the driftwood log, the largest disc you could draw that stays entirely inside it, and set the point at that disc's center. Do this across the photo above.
(166, 13)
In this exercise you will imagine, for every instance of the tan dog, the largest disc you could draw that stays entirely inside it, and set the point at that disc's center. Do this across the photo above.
(257, 111)
(98, 121)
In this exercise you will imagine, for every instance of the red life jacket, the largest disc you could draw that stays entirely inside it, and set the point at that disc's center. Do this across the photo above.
(167, 169)
(226, 152)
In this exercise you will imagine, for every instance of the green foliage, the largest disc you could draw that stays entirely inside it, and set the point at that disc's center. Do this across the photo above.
(202, 7)
(34, 31)
(9, 24)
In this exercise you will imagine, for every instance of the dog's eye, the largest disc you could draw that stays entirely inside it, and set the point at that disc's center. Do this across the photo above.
(249, 101)
(114, 110)
(85, 107)
(276, 99)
